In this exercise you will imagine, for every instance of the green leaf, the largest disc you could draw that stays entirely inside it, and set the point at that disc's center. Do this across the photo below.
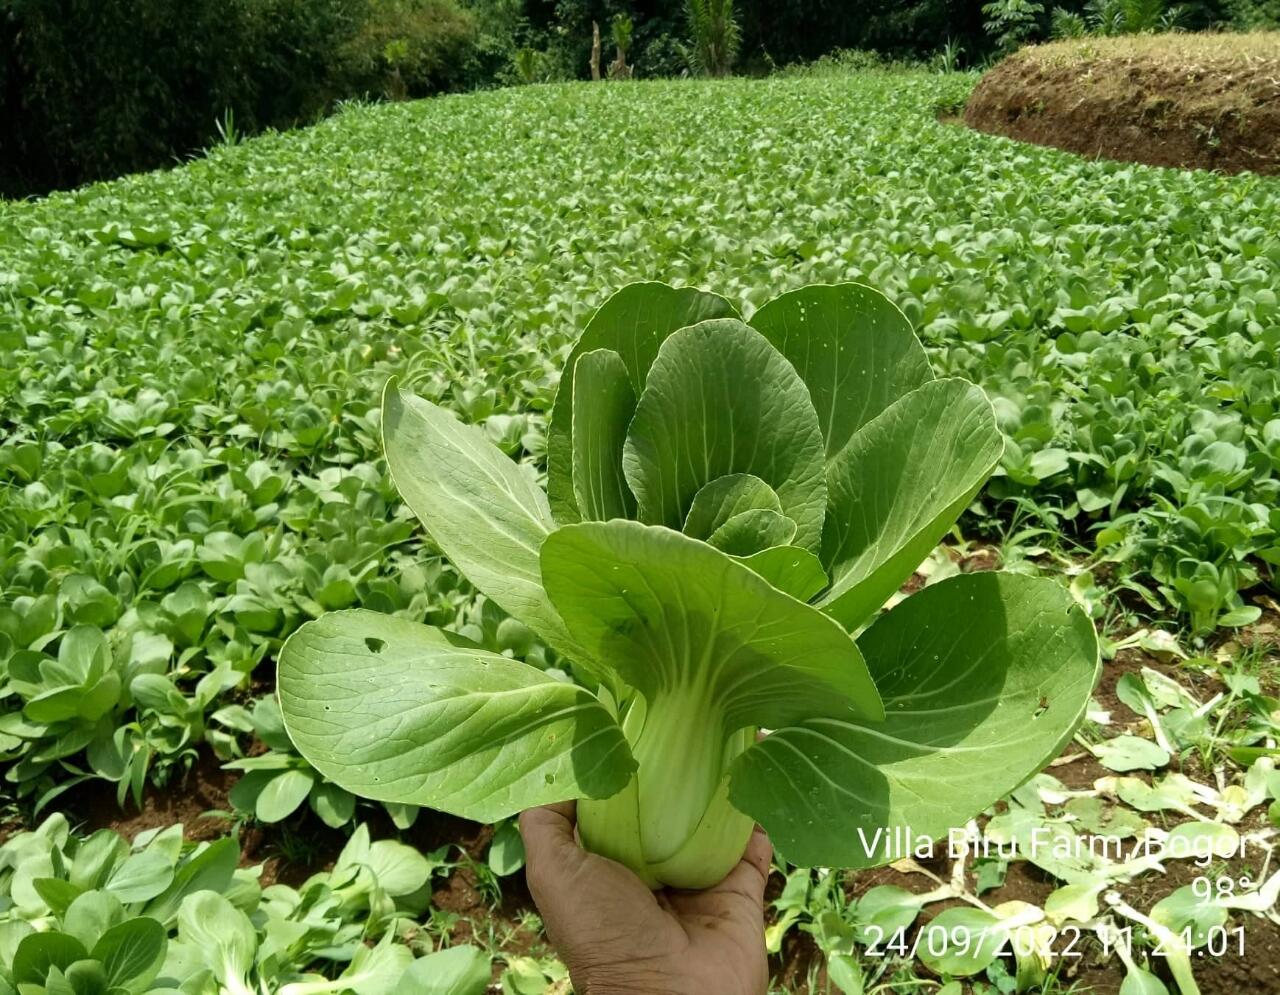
(984, 676)
(603, 403)
(1185, 911)
(896, 488)
(1125, 753)
(12, 933)
(753, 532)
(281, 796)
(39, 953)
(486, 513)
(667, 611)
(141, 877)
(1100, 818)
(57, 893)
(57, 705)
(223, 935)
(375, 970)
(334, 805)
(209, 869)
(855, 351)
(1074, 902)
(633, 323)
(790, 569)
(720, 400)
(398, 868)
(723, 498)
(460, 970)
(846, 972)
(132, 952)
(961, 941)
(95, 856)
(1237, 617)
(83, 656)
(396, 711)
(506, 852)
(710, 646)
(243, 795)
(884, 911)
(91, 915)
(523, 976)
(1140, 982)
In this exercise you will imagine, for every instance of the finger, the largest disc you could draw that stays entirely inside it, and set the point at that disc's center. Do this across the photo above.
(759, 852)
(550, 846)
(748, 878)
(559, 810)
(548, 834)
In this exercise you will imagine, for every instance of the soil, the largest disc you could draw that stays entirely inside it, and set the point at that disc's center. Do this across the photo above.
(1180, 103)
(185, 799)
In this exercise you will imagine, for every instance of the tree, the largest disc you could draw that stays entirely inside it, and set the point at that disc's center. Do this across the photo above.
(1012, 22)
(716, 36)
(622, 28)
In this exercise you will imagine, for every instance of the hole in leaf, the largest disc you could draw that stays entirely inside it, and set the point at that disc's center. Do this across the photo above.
(375, 645)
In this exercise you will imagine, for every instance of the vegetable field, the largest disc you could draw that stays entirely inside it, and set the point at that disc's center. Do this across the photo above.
(192, 366)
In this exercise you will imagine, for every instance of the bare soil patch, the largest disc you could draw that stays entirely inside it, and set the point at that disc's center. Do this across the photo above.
(1188, 101)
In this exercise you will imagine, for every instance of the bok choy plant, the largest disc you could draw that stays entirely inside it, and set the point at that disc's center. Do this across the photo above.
(729, 506)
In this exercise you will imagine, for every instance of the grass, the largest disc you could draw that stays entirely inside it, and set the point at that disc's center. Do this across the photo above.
(1190, 52)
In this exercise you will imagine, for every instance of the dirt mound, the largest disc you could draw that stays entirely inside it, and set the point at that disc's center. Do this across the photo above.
(1192, 101)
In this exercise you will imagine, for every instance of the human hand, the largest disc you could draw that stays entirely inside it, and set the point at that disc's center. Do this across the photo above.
(619, 938)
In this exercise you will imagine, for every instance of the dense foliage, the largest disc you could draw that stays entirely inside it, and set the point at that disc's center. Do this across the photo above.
(92, 89)
(192, 361)
(97, 914)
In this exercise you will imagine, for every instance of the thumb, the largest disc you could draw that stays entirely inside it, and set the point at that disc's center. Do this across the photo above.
(551, 851)
(747, 880)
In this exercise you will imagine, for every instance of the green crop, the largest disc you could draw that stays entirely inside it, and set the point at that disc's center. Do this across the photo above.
(729, 502)
(190, 360)
(100, 915)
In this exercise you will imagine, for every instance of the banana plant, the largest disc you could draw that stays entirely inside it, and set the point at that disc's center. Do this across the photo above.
(729, 506)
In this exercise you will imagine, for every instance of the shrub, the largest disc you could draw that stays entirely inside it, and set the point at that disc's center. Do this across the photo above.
(841, 62)
(659, 54)
(716, 36)
(98, 87)
(410, 48)
(1011, 22)
(1253, 15)
(94, 88)
(1067, 24)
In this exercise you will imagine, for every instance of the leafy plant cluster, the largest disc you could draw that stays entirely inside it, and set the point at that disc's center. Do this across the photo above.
(728, 507)
(1117, 17)
(191, 463)
(1011, 23)
(96, 914)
